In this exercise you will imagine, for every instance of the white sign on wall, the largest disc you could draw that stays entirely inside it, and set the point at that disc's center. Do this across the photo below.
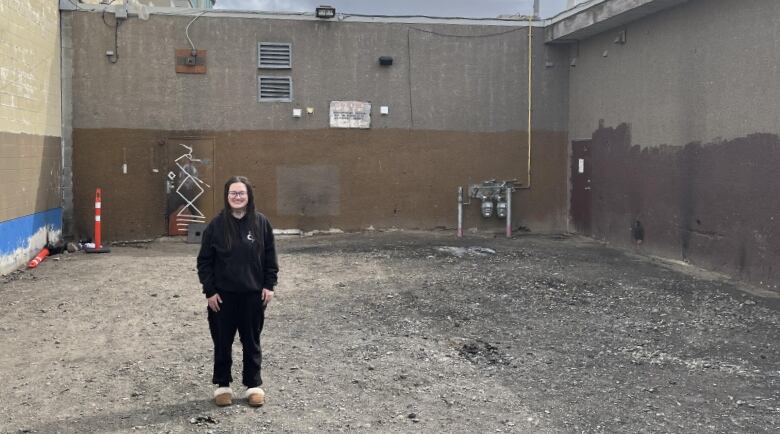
(350, 114)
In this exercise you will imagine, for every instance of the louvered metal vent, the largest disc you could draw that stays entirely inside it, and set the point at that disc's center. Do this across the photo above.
(274, 88)
(274, 55)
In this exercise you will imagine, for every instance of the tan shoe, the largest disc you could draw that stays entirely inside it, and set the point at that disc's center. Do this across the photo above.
(223, 396)
(255, 396)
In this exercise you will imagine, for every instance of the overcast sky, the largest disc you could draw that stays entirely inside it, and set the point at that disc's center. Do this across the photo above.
(439, 8)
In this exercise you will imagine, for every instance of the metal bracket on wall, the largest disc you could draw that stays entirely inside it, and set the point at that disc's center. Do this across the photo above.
(190, 61)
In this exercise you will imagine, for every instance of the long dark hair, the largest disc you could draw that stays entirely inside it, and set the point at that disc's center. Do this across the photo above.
(231, 224)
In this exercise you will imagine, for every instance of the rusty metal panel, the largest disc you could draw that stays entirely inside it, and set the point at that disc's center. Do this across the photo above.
(186, 63)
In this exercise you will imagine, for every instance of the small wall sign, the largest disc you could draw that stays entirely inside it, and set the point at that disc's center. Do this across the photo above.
(350, 114)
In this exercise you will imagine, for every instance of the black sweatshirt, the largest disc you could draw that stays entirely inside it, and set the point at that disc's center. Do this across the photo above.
(242, 268)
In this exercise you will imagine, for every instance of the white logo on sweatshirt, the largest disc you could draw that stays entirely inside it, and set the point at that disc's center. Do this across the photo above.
(250, 237)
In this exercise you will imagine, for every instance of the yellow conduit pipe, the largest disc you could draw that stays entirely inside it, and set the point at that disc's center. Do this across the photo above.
(527, 184)
(530, 90)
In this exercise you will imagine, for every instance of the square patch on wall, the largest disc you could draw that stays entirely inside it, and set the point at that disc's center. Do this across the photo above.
(308, 190)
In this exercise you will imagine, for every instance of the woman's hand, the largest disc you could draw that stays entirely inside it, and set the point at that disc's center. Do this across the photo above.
(214, 302)
(267, 296)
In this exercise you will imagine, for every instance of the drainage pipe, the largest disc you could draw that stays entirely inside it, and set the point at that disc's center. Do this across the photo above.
(509, 211)
(460, 212)
(530, 99)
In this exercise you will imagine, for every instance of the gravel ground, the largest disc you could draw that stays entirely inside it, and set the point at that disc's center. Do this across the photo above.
(396, 332)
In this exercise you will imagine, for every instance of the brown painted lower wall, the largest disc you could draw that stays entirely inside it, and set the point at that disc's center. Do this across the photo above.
(320, 179)
(713, 204)
(29, 174)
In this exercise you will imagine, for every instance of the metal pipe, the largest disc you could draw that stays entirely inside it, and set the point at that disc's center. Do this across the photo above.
(509, 211)
(530, 100)
(460, 212)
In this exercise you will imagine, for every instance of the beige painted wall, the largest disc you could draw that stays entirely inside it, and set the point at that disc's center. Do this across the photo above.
(30, 67)
(30, 123)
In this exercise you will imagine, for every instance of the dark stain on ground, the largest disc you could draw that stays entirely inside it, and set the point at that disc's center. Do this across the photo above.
(599, 339)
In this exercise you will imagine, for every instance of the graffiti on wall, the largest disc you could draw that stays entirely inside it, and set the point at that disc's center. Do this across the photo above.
(183, 199)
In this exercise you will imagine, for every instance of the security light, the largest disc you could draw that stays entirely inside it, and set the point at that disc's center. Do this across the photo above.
(326, 12)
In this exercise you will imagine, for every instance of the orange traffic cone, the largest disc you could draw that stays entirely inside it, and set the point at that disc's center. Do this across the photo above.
(98, 246)
(38, 258)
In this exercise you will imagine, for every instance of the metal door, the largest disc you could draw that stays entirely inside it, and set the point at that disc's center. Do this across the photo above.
(189, 184)
(580, 205)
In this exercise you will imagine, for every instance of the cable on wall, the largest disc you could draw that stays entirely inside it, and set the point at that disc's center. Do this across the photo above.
(446, 35)
(113, 57)
(347, 15)
(187, 32)
(409, 75)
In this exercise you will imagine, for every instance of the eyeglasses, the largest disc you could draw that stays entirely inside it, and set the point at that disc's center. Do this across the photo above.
(236, 193)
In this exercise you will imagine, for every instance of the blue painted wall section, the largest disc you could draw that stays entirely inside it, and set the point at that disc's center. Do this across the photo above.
(16, 233)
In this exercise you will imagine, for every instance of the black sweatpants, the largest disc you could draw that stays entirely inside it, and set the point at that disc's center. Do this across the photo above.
(243, 313)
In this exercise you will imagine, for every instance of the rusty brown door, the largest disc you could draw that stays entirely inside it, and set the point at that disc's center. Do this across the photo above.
(189, 184)
(580, 186)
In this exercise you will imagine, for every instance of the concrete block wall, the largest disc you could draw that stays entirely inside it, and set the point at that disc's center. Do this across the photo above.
(30, 130)
(457, 94)
(684, 119)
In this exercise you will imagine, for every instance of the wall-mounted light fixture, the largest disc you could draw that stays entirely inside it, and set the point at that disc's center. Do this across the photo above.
(385, 60)
(620, 38)
(326, 12)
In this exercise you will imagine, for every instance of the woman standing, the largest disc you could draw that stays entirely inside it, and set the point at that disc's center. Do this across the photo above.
(237, 267)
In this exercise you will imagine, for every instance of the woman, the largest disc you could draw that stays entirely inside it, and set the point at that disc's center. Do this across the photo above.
(237, 267)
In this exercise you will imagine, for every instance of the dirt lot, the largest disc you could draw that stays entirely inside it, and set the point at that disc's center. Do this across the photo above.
(395, 332)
